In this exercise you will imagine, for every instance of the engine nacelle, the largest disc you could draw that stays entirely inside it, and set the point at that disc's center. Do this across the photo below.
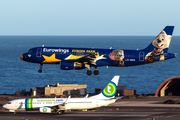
(45, 110)
(71, 65)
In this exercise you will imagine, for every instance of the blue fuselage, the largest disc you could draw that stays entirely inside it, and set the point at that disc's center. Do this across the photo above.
(105, 57)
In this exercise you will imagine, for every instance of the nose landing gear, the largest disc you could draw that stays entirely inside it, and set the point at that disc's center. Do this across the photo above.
(40, 70)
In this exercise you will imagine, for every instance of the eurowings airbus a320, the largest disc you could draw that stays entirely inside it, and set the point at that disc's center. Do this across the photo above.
(81, 58)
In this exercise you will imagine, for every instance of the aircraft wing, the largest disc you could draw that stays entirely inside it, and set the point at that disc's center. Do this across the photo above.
(92, 59)
(88, 59)
(62, 106)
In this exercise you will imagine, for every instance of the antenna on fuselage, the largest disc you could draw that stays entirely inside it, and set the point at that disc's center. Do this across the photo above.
(110, 48)
(43, 45)
(137, 48)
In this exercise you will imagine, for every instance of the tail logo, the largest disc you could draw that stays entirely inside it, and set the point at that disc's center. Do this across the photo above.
(110, 90)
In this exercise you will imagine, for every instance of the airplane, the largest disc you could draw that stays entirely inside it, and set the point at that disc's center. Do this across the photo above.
(59, 105)
(81, 58)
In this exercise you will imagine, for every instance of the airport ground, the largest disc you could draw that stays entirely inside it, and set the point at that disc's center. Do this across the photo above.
(143, 108)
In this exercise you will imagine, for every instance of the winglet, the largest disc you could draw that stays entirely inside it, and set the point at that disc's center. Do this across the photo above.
(66, 102)
(86, 96)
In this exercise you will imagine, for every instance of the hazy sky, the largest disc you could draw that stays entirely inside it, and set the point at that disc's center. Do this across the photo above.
(88, 17)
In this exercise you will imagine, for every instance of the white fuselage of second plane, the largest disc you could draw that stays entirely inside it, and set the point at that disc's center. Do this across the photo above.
(46, 105)
(73, 103)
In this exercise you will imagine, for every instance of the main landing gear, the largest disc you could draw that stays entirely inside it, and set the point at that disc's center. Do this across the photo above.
(96, 72)
(89, 72)
(40, 70)
(61, 112)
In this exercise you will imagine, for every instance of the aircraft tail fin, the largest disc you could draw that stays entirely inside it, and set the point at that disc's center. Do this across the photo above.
(109, 91)
(162, 41)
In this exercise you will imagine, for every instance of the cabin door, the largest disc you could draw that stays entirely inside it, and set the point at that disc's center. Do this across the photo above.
(141, 56)
(16, 105)
(38, 54)
(97, 104)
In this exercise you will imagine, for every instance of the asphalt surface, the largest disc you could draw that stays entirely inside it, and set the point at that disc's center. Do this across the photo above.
(147, 108)
(125, 113)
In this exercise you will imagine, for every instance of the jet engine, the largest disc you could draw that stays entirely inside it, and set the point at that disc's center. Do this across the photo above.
(71, 65)
(45, 110)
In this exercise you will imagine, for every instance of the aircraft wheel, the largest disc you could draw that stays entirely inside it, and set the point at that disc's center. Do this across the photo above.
(89, 72)
(40, 71)
(59, 112)
(96, 72)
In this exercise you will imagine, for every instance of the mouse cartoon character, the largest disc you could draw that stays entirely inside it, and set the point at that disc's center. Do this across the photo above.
(161, 42)
(118, 56)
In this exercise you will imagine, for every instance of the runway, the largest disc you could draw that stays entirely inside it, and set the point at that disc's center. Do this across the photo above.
(124, 113)
(147, 108)
(79, 115)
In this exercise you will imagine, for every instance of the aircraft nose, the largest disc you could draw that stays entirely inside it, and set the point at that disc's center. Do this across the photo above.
(21, 57)
(4, 106)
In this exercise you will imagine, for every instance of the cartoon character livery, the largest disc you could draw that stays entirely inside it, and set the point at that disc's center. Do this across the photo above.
(118, 56)
(59, 105)
(81, 58)
(160, 44)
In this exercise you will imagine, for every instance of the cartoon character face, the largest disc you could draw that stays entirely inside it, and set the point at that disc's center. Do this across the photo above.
(117, 55)
(161, 41)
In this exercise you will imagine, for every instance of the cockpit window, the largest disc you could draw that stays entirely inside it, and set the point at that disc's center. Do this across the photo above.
(30, 51)
(9, 102)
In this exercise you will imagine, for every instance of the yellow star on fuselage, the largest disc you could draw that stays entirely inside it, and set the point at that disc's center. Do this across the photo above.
(51, 58)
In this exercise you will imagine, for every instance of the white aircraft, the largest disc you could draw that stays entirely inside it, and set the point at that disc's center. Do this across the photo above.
(59, 105)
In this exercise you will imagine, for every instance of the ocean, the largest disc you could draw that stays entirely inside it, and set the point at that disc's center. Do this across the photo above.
(18, 75)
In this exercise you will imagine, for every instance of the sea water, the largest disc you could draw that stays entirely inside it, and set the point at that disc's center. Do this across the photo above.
(18, 75)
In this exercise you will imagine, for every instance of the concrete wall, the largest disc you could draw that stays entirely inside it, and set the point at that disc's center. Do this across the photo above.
(66, 89)
(33, 91)
(129, 92)
(120, 90)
